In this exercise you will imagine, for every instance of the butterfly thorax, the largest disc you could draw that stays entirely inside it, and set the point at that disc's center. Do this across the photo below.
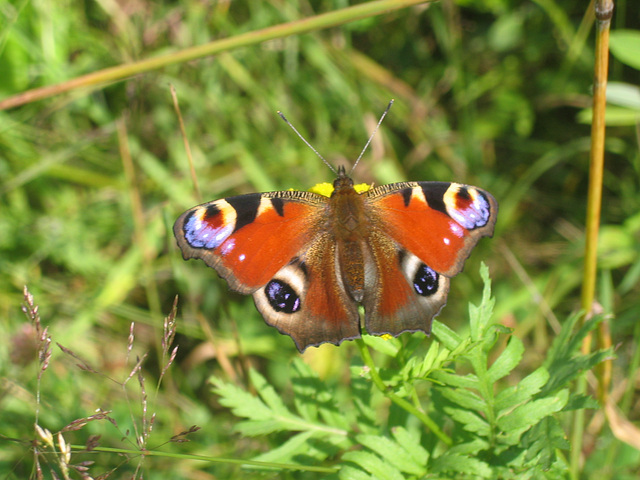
(349, 228)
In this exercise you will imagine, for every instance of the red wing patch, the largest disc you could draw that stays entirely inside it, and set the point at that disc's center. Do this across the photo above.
(438, 222)
(247, 239)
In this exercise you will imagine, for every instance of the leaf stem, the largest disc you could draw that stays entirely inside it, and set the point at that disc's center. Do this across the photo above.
(401, 402)
(210, 459)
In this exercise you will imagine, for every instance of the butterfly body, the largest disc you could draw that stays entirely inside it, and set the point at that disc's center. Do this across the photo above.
(310, 260)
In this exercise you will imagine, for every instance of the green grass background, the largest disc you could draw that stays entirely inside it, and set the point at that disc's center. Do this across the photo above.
(487, 92)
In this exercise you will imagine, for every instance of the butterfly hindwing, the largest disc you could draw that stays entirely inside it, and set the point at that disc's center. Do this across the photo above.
(307, 300)
(407, 295)
(275, 246)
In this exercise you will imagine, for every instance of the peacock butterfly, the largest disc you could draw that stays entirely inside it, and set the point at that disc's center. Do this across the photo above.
(310, 259)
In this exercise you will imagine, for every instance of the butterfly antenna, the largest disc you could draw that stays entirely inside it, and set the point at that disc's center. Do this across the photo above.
(384, 114)
(305, 141)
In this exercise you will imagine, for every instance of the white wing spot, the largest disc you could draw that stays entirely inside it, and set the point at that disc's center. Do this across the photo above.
(228, 247)
(456, 229)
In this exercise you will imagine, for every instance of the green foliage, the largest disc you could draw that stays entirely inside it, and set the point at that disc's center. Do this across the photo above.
(623, 98)
(495, 430)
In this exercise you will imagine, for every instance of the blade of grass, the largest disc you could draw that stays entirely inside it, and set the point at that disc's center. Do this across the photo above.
(187, 147)
(148, 253)
(121, 72)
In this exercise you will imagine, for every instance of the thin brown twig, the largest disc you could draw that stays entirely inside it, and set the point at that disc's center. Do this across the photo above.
(604, 13)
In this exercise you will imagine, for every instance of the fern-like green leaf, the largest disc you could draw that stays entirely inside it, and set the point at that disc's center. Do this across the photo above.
(410, 441)
(541, 442)
(470, 421)
(369, 462)
(241, 403)
(351, 472)
(304, 448)
(480, 316)
(465, 398)
(525, 416)
(461, 464)
(392, 453)
(507, 361)
(526, 388)
(447, 337)
(453, 380)
(267, 393)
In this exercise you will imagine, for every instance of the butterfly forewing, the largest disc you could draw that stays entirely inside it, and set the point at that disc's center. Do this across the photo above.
(438, 222)
(248, 238)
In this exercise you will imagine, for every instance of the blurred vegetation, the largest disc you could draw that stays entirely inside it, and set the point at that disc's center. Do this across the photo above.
(493, 93)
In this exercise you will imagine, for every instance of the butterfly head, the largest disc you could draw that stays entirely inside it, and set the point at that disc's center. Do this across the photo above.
(342, 182)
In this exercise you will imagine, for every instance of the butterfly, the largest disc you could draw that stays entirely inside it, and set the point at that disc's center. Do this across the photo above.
(309, 260)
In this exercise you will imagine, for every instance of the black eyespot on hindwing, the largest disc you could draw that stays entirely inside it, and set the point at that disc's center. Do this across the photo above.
(282, 297)
(425, 281)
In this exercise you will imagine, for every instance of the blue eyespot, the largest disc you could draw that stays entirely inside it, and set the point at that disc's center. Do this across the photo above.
(282, 297)
(425, 281)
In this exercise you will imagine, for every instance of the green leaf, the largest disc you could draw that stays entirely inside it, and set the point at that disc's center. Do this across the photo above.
(285, 453)
(563, 372)
(306, 448)
(470, 421)
(434, 358)
(241, 403)
(614, 116)
(392, 453)
(470, 448)
(411, 443)
(373, 464)
(625, 45)
(307, 387)
(624, 95)
(367, 417)
(267, 392)
(447, 337)
(527, 415)
(507, 360)
(564, 361)
(464, 398)
(523, 391)
(580, 401)
(455, 380)
(541, 442)
(313, 399)
(349, 472)
(254, 428)
(266, 417)
(480, 316)
(387, 346)
(461, 464)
